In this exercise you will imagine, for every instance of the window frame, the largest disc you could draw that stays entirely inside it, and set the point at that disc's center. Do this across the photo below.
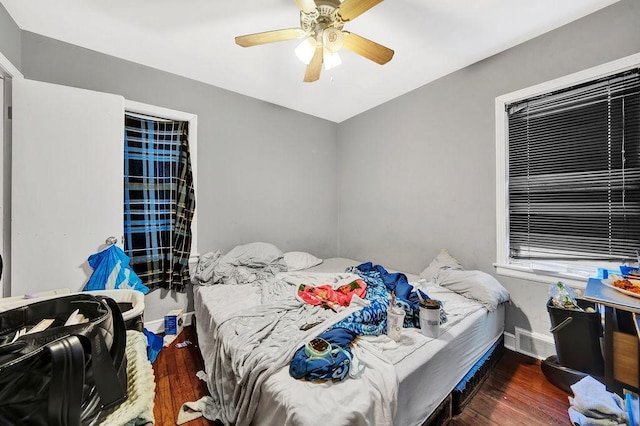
(569, 274)
(170, 114)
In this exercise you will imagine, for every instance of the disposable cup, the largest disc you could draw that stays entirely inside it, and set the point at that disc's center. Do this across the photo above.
(430, 318)
(395, 319)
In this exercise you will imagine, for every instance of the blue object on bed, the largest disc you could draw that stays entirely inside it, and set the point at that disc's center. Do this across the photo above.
(333, 367)
(405, 297)
(396, 282)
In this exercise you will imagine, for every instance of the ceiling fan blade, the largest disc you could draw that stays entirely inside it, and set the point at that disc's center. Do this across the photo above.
(313, 69)
(367, 48)
(351, 9)
(307, 6)
(269, 37)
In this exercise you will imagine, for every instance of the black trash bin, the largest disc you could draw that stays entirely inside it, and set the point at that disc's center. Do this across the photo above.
(577, 337)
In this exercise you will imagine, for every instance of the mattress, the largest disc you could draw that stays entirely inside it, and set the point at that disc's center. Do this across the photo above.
(426, 373)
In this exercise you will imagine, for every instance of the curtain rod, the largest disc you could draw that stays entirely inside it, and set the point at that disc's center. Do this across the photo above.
(144, 116)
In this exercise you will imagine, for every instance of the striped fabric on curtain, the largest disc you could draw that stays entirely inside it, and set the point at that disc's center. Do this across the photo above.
(159, 200)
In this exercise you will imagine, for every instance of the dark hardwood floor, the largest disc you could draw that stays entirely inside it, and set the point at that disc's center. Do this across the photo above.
(176, 382)
(515, 393)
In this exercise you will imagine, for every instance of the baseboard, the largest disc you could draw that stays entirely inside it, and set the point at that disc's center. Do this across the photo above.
(157, 326)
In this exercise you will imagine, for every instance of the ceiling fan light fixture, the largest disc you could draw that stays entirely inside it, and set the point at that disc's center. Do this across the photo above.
(330, 59)
(306, 49)
(332, 39)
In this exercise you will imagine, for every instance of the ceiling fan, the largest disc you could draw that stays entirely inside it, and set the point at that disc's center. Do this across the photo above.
(321, 24)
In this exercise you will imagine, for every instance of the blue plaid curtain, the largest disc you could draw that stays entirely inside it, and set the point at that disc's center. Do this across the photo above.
(159, 201)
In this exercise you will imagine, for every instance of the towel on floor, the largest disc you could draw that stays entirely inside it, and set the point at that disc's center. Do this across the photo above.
(191, 410)
(204, 407)
(580, 419)
(593, 405)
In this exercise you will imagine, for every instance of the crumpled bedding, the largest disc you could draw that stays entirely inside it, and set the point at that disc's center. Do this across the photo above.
(243, 264)
(251, 341)
(256, 331)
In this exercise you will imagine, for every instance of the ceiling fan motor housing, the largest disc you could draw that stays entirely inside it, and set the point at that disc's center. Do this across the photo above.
(324, 16)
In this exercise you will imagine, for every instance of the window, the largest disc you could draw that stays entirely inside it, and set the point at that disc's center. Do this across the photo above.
(571, 169)
(159, 224)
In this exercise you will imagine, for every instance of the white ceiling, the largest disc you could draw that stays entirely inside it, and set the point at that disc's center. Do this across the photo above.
(195, 39)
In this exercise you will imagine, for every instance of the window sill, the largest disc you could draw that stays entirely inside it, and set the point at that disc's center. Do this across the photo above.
(543, 277)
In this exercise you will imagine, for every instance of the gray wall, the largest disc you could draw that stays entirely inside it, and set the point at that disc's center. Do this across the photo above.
(418, 173)
(265, 173)
(10, 38)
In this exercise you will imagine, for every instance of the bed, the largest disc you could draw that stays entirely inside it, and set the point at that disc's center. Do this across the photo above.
(249, 332)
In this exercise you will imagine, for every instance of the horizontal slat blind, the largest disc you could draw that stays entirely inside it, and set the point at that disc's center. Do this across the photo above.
(574, 172)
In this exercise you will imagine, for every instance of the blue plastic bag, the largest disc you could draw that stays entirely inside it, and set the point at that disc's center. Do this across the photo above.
(111, 271)
(154, 345)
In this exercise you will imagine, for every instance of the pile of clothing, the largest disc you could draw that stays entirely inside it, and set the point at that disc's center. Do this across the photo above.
(377, 285)
(593, 405)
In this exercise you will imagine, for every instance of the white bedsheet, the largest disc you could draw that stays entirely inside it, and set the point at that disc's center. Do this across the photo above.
(402, 384)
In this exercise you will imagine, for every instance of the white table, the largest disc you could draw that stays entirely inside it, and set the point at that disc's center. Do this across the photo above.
(617, 305)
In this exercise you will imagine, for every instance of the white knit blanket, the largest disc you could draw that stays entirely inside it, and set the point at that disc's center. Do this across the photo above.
(137, 409)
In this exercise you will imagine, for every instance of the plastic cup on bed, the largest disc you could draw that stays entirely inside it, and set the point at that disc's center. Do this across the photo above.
(395, 319)
(430, 318)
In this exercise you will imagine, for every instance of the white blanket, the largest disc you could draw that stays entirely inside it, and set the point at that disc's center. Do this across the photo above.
(257, 333)
(137, 409)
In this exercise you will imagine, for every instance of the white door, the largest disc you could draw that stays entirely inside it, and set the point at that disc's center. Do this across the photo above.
(3, 113)
(67, 184)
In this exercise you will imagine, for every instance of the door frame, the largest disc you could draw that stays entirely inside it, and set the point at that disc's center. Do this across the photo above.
(8, 72)
(7, 69)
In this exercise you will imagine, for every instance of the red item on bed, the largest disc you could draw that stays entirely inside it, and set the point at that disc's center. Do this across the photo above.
(326, 295)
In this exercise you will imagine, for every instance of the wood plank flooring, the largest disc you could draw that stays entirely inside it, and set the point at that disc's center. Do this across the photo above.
(515, 393)
(176, 381)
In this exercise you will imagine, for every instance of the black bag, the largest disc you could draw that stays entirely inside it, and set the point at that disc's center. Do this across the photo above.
(63, 375)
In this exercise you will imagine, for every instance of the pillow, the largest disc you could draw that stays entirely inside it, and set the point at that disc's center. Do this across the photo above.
(475, 285)
(298, 260)
(442, 261)
(253, 254)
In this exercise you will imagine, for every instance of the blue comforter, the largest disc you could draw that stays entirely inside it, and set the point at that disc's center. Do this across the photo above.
(370, 320)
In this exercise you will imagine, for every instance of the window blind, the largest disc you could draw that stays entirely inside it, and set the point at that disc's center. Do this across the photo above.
(574, 172)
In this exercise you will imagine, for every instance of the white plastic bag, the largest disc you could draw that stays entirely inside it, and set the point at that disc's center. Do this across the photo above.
(563, 296)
